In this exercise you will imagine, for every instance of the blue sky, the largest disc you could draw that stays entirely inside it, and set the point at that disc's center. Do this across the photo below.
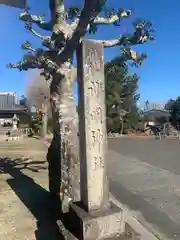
(159, 75)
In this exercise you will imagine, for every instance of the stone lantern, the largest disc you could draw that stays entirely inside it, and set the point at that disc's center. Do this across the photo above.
(122, 114)
(14, 122)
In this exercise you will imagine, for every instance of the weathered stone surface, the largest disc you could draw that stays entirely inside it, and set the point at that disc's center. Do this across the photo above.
(94, 216)
(92, 126)
(131, 233)
(96, 225)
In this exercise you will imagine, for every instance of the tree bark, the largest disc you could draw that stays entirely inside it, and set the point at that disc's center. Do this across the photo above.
(63, 153)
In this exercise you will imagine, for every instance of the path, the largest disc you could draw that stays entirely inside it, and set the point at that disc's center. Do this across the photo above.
(145, 175)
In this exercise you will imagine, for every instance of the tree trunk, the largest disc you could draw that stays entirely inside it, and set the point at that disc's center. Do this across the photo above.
(63, 152)
(122, 126)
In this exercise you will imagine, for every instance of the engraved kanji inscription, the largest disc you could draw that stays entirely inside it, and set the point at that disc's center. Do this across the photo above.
(93, 63)
(98, 163)
(97, 139)
(97, 114)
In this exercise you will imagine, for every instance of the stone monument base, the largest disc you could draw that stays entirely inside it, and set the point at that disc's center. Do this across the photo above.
(97, 225)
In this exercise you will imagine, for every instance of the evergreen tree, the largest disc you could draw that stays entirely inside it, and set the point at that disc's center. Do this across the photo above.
(174, 107)
(121, 94)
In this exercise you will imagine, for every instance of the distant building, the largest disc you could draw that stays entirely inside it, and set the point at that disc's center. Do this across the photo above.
(7, 100)
(8, 107)
(152, 105)
(152, 116)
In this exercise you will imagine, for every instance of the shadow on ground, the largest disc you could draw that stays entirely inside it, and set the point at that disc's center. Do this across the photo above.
(33, 196)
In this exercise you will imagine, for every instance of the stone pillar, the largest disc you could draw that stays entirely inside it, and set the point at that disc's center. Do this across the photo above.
(92, 127)
(98, 218)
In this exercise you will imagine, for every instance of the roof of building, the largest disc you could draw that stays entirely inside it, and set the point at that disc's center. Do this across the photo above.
(153, 114)
(15, 108)
(8, 93)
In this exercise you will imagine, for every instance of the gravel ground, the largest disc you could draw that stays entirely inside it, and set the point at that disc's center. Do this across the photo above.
(25, 204)
(23, 194)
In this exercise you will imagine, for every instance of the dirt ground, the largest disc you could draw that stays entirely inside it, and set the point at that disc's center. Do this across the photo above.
(26, 210)
(24, 199)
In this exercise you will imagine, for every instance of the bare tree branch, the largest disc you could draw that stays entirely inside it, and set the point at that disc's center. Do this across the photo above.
(117, 42)
(30, 29)
(39, 59)
(113, 18)
(60, 30)
(140, 36)
(27, 46)
(108, 43)
(74, 24)
(89, 13)
(25, 16)
(23, 65)
(65, 38)
(102, 20)
(57, 9)
(29, 20)
(59, 20)
(47, 41)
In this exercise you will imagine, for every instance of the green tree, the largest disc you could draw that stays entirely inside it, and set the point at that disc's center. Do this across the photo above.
(68, 26)
(174, 107)
(169, 105)
(121, 94)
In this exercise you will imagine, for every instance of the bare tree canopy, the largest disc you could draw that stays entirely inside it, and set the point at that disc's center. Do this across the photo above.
(37, 91)
(68, 26)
